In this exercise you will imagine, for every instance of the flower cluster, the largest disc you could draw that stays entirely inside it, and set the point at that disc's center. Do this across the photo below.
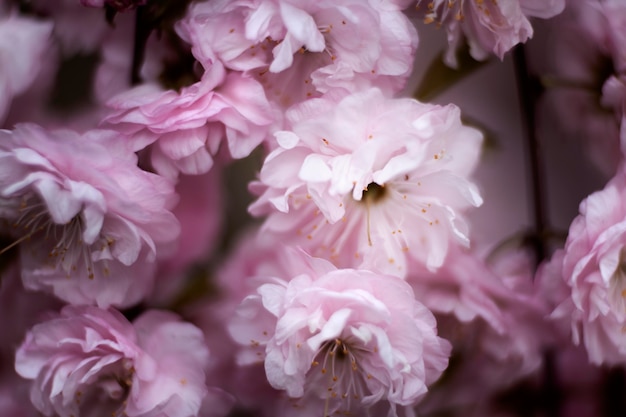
(280, 208)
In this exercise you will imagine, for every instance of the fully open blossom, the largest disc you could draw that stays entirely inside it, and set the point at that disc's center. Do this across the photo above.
(593, 269)
(86, 361)
(89, 222)
(23, 42)
(490, 26)
(186, 128)
(298, 49)
(371, 181)
(341, 340)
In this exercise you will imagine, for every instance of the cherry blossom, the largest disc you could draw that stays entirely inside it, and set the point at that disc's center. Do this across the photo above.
(188, 127)
(86, 361)
(592, 268)
(371, 181)
(88, 232)
(298, 50)
(489, 26)
(341, 340)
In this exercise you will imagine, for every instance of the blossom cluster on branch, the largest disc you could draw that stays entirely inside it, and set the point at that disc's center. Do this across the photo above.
(214, 208)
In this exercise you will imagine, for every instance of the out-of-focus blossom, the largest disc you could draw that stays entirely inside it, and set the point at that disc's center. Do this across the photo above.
(584, 75)
(23, 43)
(77, 29)
(593, 269)
(86, 361)
(118, 5)
(89, 222)
(113, 74)
(340, 340)
(298, 50)
(489, 26)
(253, 255)
(371, 181)
(186, 128)
(496, 324)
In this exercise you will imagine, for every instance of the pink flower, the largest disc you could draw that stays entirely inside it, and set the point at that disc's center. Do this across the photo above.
(340, 340)
(298, 50)
(593, 269)
(371, 181)
(489, 26)
(489, 312)
(186, 128)
(86, 361)
(89, 222)
(23, 43)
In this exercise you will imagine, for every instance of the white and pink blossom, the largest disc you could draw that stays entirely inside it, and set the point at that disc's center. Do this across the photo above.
(186, 128)
(299, 50)
(340, 340)
(371, 181)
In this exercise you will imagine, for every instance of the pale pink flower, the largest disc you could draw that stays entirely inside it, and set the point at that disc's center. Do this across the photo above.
(89, 222)
(593, 269)
(298, 50)
(23, 43)
(371, 181)
(341, 340)
(186, 128)
(490, 27)
(86, 361)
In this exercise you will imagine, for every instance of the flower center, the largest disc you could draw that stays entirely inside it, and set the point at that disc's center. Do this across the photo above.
(617, 286)
(441, 11)
(374, 193)
(60, 245)
(339, 379)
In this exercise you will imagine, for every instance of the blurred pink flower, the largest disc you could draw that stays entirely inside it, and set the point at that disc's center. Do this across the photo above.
(23, 43)
(77, 29)
(89, 222)
(489, 311)
(371, 181)
(340, 340)
(86, 361)
(298, 50)
(584, 75)
(593, 269)
(489, 26)
(186, 128)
